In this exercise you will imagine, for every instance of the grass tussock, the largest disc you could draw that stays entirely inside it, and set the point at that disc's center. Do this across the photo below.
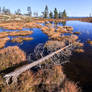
(54, 44)
(10, 56)
(20, 25)
(48, 25)
(51, 32)
(79, 44)
(3, 34)
(77, 33)
(12, 26)
(20, 33)
(15, 33)
(68, 28)
(61, 30)
(70, 87)
(32, 25)
(21, 39)
(71, 38)
(80, 50)
(89, 42)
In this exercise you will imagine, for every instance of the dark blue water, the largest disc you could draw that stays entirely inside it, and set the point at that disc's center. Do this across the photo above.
(80, 67)
(84, 28)
(28, 46)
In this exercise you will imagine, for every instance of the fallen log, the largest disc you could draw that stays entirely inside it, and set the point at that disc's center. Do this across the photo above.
(14, 75)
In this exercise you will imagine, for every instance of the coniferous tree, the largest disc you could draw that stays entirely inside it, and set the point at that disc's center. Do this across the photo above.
(5, 11)
(46, 12)
(55, 13)
(18, 12)
(29, 11)
(51, 14)
(0, 10)
(60, 15)
(64, 14)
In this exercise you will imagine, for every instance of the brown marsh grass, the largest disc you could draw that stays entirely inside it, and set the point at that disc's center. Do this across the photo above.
(15, 33)
(80, 50)
(43, 80)
(20, 33)
(68, 28)
(3, 34)
(10, 56)
(21, 39)
(89, 42)
(61, 30)
(76, 33)
(70, 87)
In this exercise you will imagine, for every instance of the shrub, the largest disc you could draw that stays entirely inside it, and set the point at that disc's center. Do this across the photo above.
(10, 56)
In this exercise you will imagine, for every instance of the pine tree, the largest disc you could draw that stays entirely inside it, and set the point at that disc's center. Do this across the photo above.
(46, 12)
(64, 15)
(60, 15)
(55, 13)
(51, 14)
(29, 11)
(18, 12)
(0, 9)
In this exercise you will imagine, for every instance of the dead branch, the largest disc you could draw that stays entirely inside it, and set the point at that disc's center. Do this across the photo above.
(14, 75)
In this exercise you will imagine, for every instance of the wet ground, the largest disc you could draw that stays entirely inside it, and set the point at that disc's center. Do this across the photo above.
(80, 67)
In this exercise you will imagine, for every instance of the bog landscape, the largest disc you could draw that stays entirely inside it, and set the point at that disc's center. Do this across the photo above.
(49, 51)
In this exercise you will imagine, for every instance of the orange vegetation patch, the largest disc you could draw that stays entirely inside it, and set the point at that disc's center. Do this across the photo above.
(44, 28)
(79, 50)
(20, 33)
(32, 25)
(51, 32)
(12, 26)
(89, 42)
(55, 36)
(3, 41)
(21, 39)
(77, 33)
(70, 87)
(78, 44)
(70, 39)
(10, 56)
(61, 30)
(3, 34)
(48, 25)
(68, 28)
(47, 79)
(15, 33)
(20, 25)
(53, 45)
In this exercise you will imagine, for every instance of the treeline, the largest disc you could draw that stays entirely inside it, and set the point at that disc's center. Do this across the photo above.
(45, 14)
(17, 12)
(55, 14)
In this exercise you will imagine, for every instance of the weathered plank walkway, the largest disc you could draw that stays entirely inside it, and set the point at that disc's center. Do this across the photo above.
(14, 75)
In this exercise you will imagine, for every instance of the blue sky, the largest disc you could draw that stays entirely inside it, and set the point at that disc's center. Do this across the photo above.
(73, 7)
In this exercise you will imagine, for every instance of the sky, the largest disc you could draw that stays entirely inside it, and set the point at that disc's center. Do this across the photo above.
(75, 8)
